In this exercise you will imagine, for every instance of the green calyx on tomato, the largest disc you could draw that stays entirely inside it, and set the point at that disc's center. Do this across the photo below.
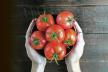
(55, 57)
(36, 41)
(54, 35)
(70, 20)
(68, 42)
(45, 19)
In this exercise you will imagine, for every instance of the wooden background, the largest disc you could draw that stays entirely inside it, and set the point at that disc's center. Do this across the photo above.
(92, 16)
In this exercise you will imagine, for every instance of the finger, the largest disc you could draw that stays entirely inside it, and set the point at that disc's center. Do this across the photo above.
(78, 48)
(30, 28)
(33, 55)
(38, 67)
(80, 42)
(73, 66)
(76, 25)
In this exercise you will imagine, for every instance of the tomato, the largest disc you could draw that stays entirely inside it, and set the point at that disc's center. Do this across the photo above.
(44, 21)
(37, 41)
(70, 37)
(55, 32)
(65, 19)
(55, 51)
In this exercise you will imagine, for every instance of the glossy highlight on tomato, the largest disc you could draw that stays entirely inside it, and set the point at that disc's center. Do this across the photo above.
(37, 41)
(44, 21)
(56, 33)
(55, 51)
(70, 37)
(65, 19)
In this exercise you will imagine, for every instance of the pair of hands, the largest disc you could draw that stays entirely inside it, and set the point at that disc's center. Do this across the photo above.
(72, 60)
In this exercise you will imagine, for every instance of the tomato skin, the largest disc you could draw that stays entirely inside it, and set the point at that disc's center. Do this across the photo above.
(65, 19)
(44, 21)
(56, 33)
(37, 41)
(70, 37)
(55, 48)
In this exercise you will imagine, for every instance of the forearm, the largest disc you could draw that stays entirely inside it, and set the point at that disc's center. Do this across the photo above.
(73, 67)
(76, 67)
(37, 67)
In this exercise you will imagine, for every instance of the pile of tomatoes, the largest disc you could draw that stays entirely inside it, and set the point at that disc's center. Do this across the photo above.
(54, 38)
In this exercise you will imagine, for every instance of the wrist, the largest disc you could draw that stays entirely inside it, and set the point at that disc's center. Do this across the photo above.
(76, 67)
(73, 66)
(37, 67)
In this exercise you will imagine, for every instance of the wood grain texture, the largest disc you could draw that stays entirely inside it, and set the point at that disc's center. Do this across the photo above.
(94, 2)
(94, 66)
(96, 47)
(85, 67)
(92, 19)
(82, 2)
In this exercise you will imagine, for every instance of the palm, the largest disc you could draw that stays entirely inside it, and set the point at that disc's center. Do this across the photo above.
(73, 58)
(32, 54)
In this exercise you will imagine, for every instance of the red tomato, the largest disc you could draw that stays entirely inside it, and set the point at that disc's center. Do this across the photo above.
(70, 37)
(44, 21)
(55, 32)
(55, 51)
(65, 19)
(37, 41)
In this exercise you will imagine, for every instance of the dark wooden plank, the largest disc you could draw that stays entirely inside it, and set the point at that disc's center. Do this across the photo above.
(82, 2)
(38, 2)
(94, 2)
(96, 47)
(92, 19)
(85, 67)
(94, 66)
(23, 18)
(21, 66)
(50, 67)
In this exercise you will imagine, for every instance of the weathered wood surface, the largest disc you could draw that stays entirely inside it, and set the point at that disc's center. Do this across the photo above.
(85, 2)
(92, 19)
(92, 16)
(94, 66)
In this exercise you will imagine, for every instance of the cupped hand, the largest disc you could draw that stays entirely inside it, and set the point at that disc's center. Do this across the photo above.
(72, 60)
(38, 61)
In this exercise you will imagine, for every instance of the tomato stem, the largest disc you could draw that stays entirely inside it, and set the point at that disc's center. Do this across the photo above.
(70, 20)
(36, 41)
(56, 61)
(68, 42)
(45, 19)
(55, 56)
